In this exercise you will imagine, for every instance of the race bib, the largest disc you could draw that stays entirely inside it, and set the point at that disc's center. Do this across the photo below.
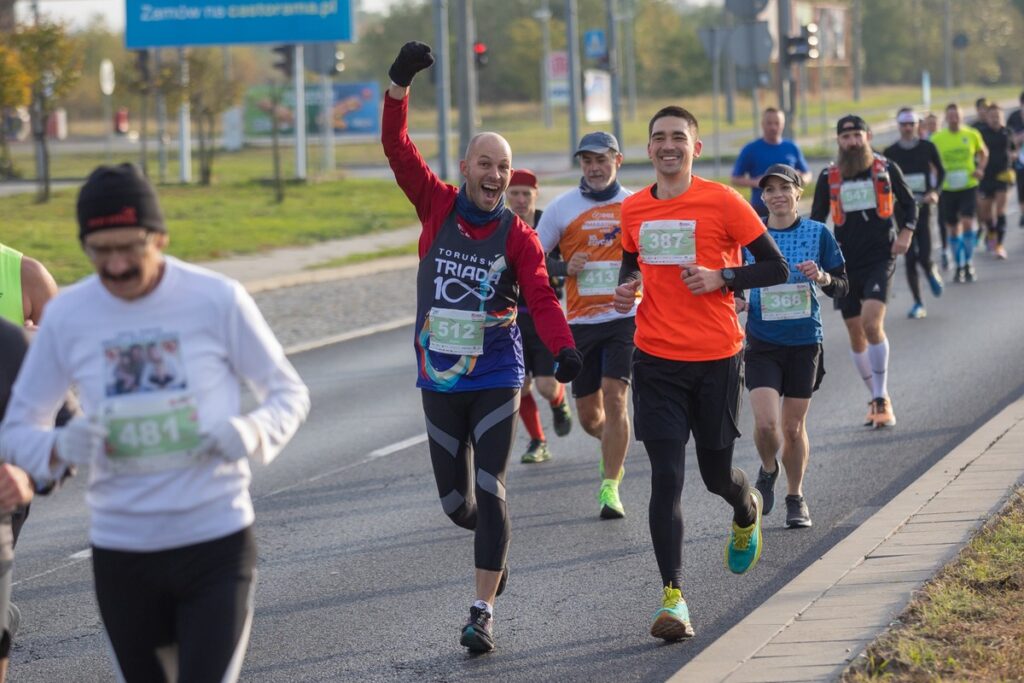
(457, 332)
(858, 195)
(786, 302)
(668, 242)
(917, 182)
(598, 278)
(957, 180)
(151, 432)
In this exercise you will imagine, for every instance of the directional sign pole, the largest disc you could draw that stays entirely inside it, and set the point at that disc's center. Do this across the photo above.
(184, 124)
(327, 127)
(613, 68)
(716, 89)
(442, 91)
(572, 40)
(300, 112)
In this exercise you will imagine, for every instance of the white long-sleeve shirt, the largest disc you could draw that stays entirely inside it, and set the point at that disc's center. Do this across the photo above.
(147, 492)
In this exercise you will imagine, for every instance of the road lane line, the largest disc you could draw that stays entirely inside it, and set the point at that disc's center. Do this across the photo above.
(349, 336)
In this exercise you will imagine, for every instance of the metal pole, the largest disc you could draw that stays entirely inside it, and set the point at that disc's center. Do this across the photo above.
(300, 112)
(630, 47)
(108, 117)
(161, 125)
(184, 124)
(855, 55)
(613, 68)
(947, 42)
(716, 87)
(572, 42)
(805, 126)
(784, 76)
(544, 16)
(756, 111)
(466, 75)
(730, 82)
(327, 88)
(823, 87)
(442, 89)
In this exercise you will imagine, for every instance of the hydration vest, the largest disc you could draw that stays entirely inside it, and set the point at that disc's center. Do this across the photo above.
(884, 199)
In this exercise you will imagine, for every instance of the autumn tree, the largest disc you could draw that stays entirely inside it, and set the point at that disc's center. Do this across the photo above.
(15, 92)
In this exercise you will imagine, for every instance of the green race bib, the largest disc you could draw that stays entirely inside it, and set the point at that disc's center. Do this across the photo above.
(598, 278)
(668, 242)
(957, 180)
(858, 195)
(457, 332)
(786, 302)
(151, 432)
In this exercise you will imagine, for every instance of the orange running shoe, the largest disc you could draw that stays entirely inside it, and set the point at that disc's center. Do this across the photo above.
(869, 421)
(883, 417)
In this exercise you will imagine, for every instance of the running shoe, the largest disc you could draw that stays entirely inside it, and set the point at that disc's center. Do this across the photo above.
(744, 547)
(672, 621)
(917, 311)
(608, 496)
(884, 417)
(476, 634)
(970, 275)
(1000, 252)
(503, 581)
(797, 514)
(935, 281)
(961, 275)
(537, 451)
(766, 485)
(869, 421)
(561, 415)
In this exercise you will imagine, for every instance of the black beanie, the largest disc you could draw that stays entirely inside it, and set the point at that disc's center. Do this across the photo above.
(118, 197)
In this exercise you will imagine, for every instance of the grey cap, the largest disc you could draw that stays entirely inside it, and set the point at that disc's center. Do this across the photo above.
(599, 143)
(787, 173)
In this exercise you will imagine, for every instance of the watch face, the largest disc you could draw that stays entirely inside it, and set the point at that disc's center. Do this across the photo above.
(727, 274)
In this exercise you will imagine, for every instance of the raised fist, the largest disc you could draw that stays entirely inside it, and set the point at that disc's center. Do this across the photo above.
(412, 58)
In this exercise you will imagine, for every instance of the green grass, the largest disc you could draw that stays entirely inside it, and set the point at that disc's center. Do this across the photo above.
(968, 623)
(213, 222)
(364, 256)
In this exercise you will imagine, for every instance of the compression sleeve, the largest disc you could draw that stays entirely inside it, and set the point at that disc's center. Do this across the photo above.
(769, 266)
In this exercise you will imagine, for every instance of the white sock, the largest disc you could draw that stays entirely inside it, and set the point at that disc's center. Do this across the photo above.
(485, 606)
(863, 365)
(879, 354)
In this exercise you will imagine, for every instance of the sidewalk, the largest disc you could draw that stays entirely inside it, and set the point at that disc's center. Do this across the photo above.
(817, 624)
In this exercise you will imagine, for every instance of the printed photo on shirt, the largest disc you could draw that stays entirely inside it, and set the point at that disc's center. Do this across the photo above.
(146, 361)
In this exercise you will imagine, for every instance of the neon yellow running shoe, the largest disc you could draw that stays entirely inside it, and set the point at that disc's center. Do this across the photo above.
(672, 621)
(744, 547)
(611, 506)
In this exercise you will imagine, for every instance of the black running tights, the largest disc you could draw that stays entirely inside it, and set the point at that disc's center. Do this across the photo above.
(668, 458)
(920, 252)
(470, 435)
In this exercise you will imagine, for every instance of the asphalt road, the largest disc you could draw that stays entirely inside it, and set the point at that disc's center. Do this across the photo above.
(362, 577)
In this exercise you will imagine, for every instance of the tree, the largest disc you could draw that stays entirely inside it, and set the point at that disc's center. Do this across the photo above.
(211, 92)
(15, 91)
(52, 61)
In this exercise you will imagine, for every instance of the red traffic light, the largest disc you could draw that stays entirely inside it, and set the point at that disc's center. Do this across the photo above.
(480, 48)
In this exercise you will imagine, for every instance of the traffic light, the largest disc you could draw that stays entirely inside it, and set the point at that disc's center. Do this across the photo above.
(339, 62)
(804, 46)
(286, 63)
(142, 65)
(480, 54)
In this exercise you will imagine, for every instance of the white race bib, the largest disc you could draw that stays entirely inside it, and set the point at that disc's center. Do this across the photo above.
(668, 242)
(457, 332)
(858, 195)
(786, 302)
(917, 182)
(598, 278)
(957, 180)
(151, 432)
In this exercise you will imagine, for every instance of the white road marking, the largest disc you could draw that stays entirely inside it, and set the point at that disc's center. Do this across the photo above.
(349, 336)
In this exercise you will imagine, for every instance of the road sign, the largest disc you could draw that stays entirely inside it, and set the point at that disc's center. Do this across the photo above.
(745, 9)
(748, 79)
(558, 77)
(750, 45)
(321, 58)
(107, 77)
(961, 41)
(713, 38)
(173, 23)
(595, 45)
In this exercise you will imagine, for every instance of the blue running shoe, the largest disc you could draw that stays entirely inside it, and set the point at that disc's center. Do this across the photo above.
(744, 547)
(917, 312)
(672, 621)
(935, 281)
(477, 635)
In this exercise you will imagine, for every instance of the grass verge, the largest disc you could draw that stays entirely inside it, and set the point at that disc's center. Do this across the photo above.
(968, 623)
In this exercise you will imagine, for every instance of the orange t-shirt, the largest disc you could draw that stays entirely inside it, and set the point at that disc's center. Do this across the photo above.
(671, 322)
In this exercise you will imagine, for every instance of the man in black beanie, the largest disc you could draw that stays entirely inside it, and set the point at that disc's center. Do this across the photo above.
(159, 350)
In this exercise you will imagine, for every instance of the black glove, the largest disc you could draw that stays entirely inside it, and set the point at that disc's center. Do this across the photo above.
(412, 58)
(568, 363)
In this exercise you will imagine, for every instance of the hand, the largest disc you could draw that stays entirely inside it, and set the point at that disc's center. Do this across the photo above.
(625, 295)
(809, 269)
(223, 441)
(80, 440)
(902, 244)
(979, 173)
(15, 487)
(576, 263)
(412, 58)
(741, 304)
(701, 280)
(567, 364)
(931, 197)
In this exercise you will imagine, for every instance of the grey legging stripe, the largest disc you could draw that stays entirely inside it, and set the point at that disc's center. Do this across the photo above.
(443, 438)
(495, 416)
(487, 482)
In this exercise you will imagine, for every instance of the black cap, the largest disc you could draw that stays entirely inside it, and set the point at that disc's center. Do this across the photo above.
(118, 197)
(851, 122)
(598, 143)
(787, 173)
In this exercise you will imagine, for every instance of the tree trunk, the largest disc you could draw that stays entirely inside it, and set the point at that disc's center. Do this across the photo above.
(275, 100)
(201, 134)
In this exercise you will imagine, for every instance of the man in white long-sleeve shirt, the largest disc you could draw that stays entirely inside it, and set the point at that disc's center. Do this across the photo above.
(173, 550)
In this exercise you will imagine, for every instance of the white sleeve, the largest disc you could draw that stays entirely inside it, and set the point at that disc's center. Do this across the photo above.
(27, 434)
(548, 229)
(257, 357)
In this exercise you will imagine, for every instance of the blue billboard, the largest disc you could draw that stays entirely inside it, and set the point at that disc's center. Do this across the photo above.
(181, 23)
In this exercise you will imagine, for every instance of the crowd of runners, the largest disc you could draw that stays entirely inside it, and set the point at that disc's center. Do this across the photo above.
(677, 295)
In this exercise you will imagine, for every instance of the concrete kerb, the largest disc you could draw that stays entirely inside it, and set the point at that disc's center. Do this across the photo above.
(853, 592)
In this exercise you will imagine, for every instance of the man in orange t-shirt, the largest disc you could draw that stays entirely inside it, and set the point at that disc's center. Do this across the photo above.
(682, 239)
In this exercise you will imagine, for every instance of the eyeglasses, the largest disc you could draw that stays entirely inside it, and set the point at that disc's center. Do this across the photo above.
(98, 252)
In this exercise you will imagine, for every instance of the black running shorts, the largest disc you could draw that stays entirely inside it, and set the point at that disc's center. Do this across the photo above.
(536, 357)
(793, 371)
(673, 398)
(874, 282)
(958, 203)
(607, 350)
(990, 185)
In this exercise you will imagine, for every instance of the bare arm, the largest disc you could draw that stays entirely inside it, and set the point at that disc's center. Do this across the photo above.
(37, 288)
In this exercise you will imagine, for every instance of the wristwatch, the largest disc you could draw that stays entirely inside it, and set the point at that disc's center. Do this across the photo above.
(729, 275)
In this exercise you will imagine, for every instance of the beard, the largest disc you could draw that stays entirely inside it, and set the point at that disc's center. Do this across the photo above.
(854, 161)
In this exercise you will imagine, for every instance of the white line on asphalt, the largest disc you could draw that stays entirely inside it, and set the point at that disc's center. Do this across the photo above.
(82, 554)
(370, 457)
(349, 336)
